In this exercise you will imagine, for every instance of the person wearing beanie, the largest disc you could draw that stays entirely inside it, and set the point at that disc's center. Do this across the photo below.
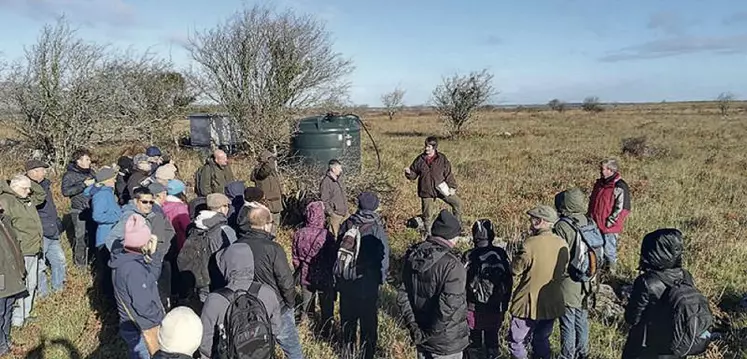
(106, 212)
(535, 268)
(489, 284)
(358, 297)
(155, 160)
(313, 253)
(136, 288)
(435, 181)
(235, 193)
(141, 174)
(177, 211)
(253, 198)
(165, 173)
(267, 178)
(432, 297)
(180, 334)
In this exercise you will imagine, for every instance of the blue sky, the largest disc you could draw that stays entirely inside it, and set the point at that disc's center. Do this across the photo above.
(632, 50)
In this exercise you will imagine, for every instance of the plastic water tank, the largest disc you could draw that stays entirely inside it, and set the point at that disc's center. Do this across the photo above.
(318, 139)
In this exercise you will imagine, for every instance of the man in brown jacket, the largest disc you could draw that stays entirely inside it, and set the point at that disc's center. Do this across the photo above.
(435, 180)
(332, 192)
(539, 270)
(266, 178)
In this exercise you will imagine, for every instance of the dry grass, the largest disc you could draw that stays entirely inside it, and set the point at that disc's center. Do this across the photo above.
(510, 162)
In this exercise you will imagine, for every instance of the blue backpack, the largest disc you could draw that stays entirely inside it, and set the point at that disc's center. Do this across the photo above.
(587, 254)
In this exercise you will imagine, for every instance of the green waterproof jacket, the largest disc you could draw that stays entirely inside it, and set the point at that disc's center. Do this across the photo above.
(572, 205)
(12, 268)
(213, 178)
(23, 216)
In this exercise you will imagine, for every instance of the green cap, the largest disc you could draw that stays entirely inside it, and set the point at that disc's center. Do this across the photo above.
(546, 213)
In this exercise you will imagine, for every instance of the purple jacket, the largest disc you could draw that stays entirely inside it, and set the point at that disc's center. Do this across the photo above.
(314, 249)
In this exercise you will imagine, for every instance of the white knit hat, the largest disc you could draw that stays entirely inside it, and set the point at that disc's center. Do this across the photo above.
(181, 332)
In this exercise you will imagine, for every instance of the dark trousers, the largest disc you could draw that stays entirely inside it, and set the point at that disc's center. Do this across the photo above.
(483, 344)
(6, 316)
(80, 241)
(360, 310)
(104, 272)
(164, 284)
(326, 301)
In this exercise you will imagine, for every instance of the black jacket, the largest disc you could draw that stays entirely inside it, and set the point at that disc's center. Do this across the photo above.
(373, 258)
(73, 186)
(432, 298)
(661, 263)
(473, 260)
(164, 355)
(48, 213)
(271, 265)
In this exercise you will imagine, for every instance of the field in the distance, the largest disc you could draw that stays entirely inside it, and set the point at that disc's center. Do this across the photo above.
(509, 162)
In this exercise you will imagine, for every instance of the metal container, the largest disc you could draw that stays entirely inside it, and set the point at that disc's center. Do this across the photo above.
(207, 129)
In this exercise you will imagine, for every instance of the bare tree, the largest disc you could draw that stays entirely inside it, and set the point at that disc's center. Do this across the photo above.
(392, 102)
(725, 100)
(556, 105)
(458, 96)
(67, 93)
(591, 104)
(263, 67)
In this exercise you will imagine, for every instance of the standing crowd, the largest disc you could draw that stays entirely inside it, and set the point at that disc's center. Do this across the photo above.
(163, 259)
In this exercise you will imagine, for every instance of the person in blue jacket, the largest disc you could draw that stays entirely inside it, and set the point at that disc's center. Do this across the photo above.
(136, 289)
(106, 213)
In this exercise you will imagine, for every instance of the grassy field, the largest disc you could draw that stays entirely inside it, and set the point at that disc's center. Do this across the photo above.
(509, 162)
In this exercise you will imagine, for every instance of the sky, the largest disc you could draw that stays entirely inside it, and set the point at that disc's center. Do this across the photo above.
(620, 51)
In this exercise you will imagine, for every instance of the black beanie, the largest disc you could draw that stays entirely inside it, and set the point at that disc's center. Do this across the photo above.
(253, 194)
(446, 226)
(482, 230)
(368, 201)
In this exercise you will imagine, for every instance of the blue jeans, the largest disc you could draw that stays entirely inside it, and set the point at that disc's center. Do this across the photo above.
(610, 248)
(6, 313)
(574, 333)
(540, 331)
(134, 340)
(53, 254)
(23, 306)
(287, 337)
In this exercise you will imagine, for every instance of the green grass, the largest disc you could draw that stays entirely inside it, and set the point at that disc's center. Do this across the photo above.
(697, 184)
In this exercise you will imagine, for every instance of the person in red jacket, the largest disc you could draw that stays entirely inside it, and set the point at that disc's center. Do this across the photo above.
(609, 205)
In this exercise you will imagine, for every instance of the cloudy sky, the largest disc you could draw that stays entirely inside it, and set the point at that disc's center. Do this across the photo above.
(634, 50)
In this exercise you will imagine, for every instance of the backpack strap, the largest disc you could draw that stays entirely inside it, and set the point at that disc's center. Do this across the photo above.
(227, 293)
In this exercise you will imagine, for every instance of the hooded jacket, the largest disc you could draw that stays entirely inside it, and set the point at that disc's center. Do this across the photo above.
(473, 259)
(213, 178)
(539, 270)
(235, 262)
(266, 178)
(430, 176)
(313, 249)
(12, 267)
(209, 221)
(235, 193)
(271, 265)
(73, 186)
(661, 263)
(571, 204)
(609, 204)
(135, 289)
(373, 257)
(48, 212)
(432, 298)
(332, 193)
(159, 226)
(177, 213)
(23, 217)
(104, 209)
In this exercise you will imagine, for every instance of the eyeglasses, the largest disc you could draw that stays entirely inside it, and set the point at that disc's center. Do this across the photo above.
(147, 202)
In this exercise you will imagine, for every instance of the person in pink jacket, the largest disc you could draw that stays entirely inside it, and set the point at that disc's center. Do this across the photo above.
(177, 211)
(313, 258)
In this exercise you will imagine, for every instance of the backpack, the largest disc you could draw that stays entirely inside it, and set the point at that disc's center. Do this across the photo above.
(246, 332)
(587, 254)
(194, 256)
(347, 253)
(688, 318)
(489, 280)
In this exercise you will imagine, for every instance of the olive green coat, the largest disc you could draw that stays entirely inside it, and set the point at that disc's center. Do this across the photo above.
(23, 216)
(539, 270)
(12, 267)
(571, 204)
(213, 178)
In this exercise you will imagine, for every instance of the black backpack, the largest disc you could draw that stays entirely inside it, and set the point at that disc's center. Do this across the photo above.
(194, 258)
(246, 332)
(488, 286)
(687, 318)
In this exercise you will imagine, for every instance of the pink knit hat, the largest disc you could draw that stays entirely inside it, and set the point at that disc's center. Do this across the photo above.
(137, 233)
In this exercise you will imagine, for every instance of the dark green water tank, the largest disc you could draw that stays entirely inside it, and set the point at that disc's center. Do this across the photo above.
(319, 139)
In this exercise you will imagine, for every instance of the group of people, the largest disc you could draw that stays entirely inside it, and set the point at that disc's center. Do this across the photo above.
(194, 277)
